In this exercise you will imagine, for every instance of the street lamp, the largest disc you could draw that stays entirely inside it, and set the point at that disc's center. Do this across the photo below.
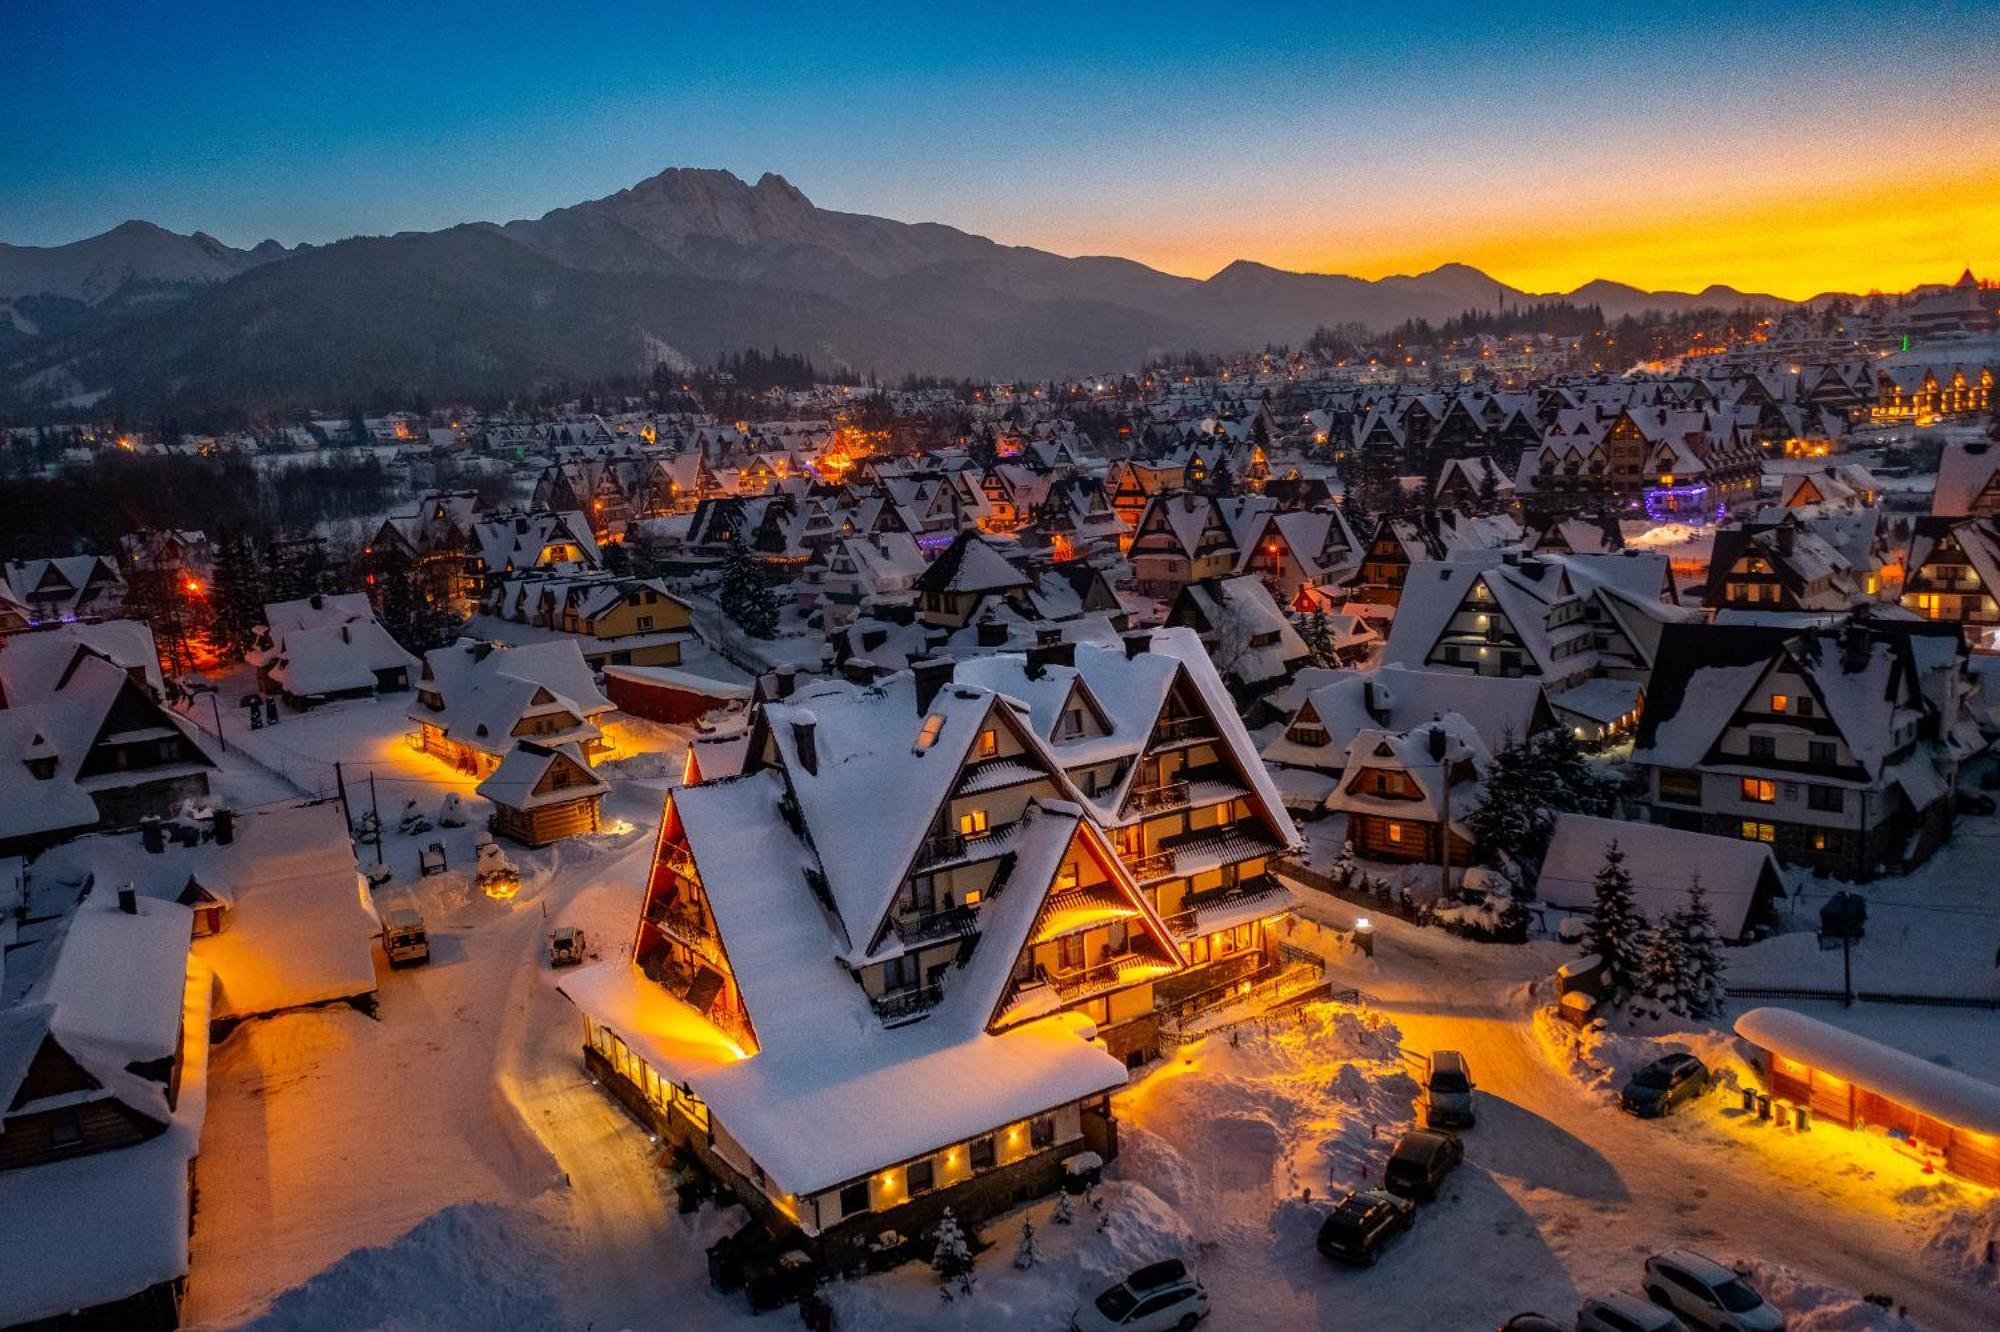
(1364, 935)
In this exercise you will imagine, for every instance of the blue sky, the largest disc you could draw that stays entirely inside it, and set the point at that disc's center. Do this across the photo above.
(1359, 138)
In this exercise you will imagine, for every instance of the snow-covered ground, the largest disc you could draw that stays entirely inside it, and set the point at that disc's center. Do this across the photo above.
(448, 1164)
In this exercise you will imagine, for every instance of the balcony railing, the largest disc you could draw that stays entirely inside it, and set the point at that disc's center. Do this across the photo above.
(678, 862)
(1250, 892)
(1070, 984)
(953, 922)
(1177, 730)
(687, 926)
(1166, 795)
(907, 1005)
(940, 847)
(1160, 865)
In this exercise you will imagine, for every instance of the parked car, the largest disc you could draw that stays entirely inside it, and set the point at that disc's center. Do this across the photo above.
(1533, 1322)
(566, 947)
(1448, 1094)
(1163, 1295)
(403, 938)
(1364, 1222)
(1420, 1163)
(1663, 1084)
(1705, 1294)
(1620, 1312)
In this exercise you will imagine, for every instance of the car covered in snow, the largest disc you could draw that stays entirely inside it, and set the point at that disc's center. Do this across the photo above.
(404, 940)
(1162, 1295)
(1361, 1226)
(566, 947)
(1448, 1092)
(1705, 1294)
(1620, 1312)
(1418, 1166)
(1663, 1084)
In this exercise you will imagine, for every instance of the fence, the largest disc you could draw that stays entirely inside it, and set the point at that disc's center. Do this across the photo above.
(1803, 994)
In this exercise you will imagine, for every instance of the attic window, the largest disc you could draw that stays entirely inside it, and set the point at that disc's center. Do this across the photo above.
(989, 743)
(1779, 702)
(927, 734)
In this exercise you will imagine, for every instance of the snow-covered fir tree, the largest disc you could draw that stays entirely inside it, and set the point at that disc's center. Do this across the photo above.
(1527, 786)
(1318, 636)
(1027, 1253)
(1616, 931)
(1065, 1213)
(1662, 970)
(1702, 963)
(952, 1258)
(745, 595)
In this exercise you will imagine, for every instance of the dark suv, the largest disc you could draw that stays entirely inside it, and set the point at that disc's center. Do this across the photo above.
(1420, 1162)
(1363, 1224)
(1664, 1084)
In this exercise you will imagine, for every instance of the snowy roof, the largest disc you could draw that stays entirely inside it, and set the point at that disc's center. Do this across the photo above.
(831, 1094)
(1235, 613)
(488, 688)
(1662, 861)
(970, 564)
(1964, 470)
(337, 658)
(522, 769)
(286, 617)
(1931, 1089)
(1398, 697)
(113, 1223)
(32, 664)
(298, 933)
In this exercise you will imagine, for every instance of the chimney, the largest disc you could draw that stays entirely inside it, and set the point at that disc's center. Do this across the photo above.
(1788, 537)
(128, 900)
(1436, 737)
(805, 739)
(1047, 637)
(1044, 655)
(931, 676)
(1854, 649)
(992, 633)
(1373, 703)
(316, 601)
(153, 836)
(223, 824)
(783, 681)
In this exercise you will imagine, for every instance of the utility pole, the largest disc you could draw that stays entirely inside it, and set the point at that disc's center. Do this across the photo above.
(340, 785)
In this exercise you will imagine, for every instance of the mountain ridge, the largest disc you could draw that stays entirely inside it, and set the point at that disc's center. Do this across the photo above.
(678, 260)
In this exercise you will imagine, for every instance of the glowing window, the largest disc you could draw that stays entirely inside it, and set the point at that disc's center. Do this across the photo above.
(1779, 702)
(928, 734)
(972, 822)
(1066, 875)
(1753, 831)
(989, 743)
(1395, 832)
(1759, 790)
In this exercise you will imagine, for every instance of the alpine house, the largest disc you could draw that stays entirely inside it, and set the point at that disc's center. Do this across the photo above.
(900, 962)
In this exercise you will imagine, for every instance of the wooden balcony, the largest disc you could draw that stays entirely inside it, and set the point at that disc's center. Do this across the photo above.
(1183, 730)
(1146, 869)
(951, 923)
(1151, 799)
(902, 1006)
(941, 847)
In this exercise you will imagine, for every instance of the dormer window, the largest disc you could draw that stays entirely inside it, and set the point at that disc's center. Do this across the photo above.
(927, 734)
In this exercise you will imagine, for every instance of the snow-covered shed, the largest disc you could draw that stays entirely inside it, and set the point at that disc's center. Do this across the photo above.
(543, 793)
(1740, 877)
(1851, 1080)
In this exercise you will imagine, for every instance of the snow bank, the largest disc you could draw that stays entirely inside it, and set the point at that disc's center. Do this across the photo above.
(1961, 1239)
(1605, 1052)
(460, 1268)
(1811, 1305)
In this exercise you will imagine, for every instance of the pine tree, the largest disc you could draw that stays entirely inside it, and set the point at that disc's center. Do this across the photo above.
(1662, 973)
(951, 1259)
(237, 593)
(1489, 491)
(1616, 929)
(1318, 636)
(1028, 1253)
(746, 595)
(1702, 994)
(1065, 1213)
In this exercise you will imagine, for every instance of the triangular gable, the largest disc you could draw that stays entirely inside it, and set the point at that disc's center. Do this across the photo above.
(1070, 910)
(674, 862)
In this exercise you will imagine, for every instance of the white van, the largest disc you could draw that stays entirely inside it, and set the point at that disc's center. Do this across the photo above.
(1448, 1093)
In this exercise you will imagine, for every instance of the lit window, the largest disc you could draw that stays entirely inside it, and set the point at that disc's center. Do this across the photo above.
(989, 743)
(1753, 831)
(1066, 875)
(972, 822)
(1778, 702)
(927, 736)
(1759, 790)
(1395, 832)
